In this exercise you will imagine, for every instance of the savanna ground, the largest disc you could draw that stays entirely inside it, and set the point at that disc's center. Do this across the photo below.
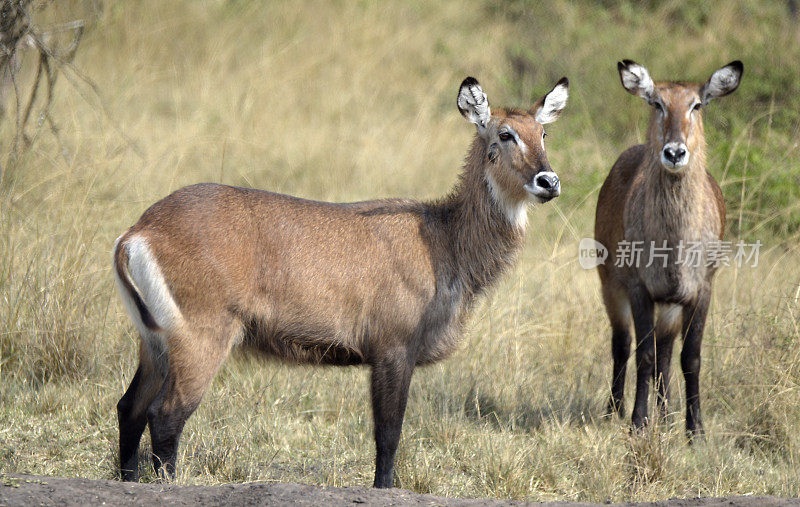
(346, 101)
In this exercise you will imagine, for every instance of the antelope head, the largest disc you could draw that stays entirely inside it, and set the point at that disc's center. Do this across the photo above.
(516, 166)
(676, 124)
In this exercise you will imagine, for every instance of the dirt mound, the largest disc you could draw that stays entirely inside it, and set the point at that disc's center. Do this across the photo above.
(31, 490)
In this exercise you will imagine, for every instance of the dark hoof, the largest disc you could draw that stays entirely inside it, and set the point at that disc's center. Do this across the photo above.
(638, 426)
(129, 476)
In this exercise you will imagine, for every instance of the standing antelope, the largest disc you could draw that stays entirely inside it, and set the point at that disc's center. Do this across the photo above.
(660, 198)
(386, 283)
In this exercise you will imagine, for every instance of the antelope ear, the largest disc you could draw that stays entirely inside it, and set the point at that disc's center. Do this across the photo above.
(548, 108)
(636, 80)
(473, 104)
(722, 82)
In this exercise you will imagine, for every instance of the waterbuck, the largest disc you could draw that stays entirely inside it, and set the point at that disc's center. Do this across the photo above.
(656, 203)
(385, 283)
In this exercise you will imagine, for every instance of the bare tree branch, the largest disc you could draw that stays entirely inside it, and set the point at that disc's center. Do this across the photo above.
(20, 33)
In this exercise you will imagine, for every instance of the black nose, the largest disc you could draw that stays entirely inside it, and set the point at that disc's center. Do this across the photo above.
(674, 155)
(547, 181)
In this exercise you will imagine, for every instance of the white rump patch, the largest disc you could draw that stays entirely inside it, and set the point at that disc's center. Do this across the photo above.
(155, 342)
(554, 103)
(145, 275)
(127, 300)
(637, 80)
(515, 213)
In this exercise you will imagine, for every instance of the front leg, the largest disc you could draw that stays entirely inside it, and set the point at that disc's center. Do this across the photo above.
(661, 374)
(642, 309)
(391, 377)
(694, 320)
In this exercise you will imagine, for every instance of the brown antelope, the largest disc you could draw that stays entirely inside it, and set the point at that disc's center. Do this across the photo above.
(660, 197)
(385, 283)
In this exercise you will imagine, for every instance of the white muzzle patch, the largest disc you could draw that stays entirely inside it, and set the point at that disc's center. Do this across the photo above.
(544, 187)
(674, 156)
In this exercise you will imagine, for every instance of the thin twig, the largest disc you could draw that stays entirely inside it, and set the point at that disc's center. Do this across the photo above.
(34, 91)
(17, 112)
(65, 64)
(57, 135)
(17, 27)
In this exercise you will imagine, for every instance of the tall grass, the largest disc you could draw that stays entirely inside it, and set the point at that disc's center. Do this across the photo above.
(345, 101)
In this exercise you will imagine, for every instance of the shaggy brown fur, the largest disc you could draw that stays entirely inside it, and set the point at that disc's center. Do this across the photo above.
(386, 283)
(647, 198)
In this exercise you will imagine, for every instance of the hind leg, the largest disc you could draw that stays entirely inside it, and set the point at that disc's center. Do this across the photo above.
(619, 313)
(132, 412)
(194, 358)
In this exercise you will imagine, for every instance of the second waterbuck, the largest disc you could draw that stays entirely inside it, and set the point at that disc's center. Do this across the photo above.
(384, 283)
(661, 216)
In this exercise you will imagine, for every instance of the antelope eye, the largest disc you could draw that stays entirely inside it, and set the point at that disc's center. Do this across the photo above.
(505, 136)
(658, 107)
(544, 134)
(697, 106)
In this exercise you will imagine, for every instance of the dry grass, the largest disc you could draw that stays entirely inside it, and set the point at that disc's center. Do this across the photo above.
(345, 101)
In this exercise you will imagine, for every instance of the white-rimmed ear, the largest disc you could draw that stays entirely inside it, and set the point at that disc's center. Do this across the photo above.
(473, 104)
(722, 82)
(636, 80)
(548, 108)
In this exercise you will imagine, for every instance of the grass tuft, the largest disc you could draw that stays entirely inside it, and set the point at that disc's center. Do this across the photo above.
(354, 100)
